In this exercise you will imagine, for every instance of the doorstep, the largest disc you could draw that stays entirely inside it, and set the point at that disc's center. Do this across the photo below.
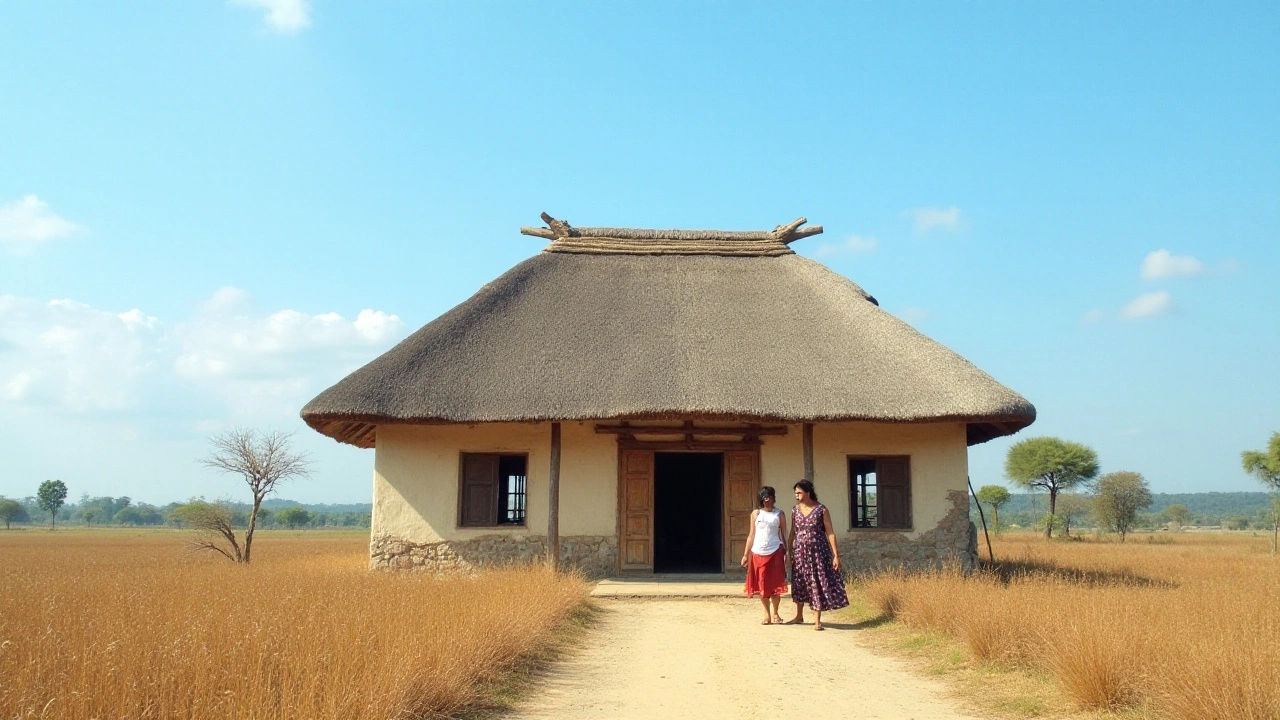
(671, 586)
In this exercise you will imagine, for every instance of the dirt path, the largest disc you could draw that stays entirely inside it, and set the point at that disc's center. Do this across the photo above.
(712, 659)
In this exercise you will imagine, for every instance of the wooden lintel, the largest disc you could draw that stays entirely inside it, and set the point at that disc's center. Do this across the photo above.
(689, 429)
(696, 446)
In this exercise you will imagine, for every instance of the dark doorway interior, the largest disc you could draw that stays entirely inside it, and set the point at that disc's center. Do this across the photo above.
(686, 512)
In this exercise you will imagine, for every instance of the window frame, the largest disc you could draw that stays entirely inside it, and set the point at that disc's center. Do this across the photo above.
(498, 492)
(907, 486)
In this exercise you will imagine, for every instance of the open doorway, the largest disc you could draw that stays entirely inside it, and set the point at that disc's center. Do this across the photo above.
(687, 524)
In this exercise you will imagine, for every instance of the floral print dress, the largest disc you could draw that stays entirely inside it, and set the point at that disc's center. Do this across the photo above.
(813, 579)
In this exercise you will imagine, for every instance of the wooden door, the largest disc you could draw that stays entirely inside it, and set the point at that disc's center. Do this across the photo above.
(741, 483)
(636, 509)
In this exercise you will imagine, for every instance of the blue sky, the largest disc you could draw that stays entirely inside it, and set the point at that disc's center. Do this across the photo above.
(210, 211)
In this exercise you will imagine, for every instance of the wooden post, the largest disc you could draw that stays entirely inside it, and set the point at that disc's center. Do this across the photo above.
(808, 451)
(553, 499)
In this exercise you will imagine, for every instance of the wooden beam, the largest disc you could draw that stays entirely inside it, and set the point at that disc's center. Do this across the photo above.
(808, 451)
(803, 233)
(686, 430)
(783, 231)
(559, 227)
(555, 229)
(553, 492)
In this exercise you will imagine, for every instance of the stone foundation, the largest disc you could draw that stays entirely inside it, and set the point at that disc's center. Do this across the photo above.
(955, 539)
(595, 556)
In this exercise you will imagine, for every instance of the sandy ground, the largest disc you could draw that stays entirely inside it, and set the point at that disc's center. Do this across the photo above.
(710, 658)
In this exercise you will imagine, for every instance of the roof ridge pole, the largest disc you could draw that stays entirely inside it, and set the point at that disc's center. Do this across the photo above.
(808, 451)
(553, 501)
(792, 231)
(555, 229)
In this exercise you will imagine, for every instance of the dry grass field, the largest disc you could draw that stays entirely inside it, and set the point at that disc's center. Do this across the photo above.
(1181, 627)
(117, 624)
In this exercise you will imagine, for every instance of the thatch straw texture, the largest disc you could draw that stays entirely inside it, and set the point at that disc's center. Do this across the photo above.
(594, 336)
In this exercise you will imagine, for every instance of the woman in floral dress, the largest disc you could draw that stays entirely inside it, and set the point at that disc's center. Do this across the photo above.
(815, 571)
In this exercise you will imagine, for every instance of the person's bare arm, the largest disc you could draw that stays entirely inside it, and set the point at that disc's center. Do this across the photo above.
(831, 538)
(791, 540)
(751, 538)
(782, 535)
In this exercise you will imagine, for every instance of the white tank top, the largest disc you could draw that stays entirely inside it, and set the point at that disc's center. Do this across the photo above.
(768, 539)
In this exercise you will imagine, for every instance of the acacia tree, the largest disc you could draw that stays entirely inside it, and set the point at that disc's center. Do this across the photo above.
(51, 495)
(994, 496)
(1071, 508)
(263, 459)
(293, 517)
(1177, 515)
(1051, 464)
(1265, 468)
(1117, 498)
(11, 511)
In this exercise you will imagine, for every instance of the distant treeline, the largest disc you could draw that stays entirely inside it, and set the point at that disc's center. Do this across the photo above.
(123, 511)
(1236, 510)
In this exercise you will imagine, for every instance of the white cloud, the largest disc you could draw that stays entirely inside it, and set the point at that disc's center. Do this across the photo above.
(1147, 305)
(67, 354)
(1163, 264)
(228, 300)
(1093, 317)
(27, 222)
(851, 244)
(274, 361)
(928, 218)
(71, 357)
(282, 16)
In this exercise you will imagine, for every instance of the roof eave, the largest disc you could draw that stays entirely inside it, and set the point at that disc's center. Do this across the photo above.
(360, 430)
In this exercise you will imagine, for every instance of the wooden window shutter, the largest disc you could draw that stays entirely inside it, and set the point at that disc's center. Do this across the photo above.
(479, 490)
(893, 493)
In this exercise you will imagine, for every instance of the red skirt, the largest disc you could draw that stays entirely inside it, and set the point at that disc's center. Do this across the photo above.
(767, 574)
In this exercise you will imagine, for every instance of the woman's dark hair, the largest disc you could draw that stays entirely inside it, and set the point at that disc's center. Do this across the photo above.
(765, 492)
(807, 486)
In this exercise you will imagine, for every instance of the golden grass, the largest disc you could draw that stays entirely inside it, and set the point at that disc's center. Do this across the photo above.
(1188, 627)
(129, 625)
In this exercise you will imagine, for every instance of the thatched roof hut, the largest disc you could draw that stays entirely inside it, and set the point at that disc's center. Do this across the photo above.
(609, 323)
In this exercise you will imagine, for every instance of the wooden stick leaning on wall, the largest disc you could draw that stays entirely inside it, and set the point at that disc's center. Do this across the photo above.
(553, 499)
(982, 516)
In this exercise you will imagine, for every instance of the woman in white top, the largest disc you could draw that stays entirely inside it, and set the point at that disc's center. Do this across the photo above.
(765, 555)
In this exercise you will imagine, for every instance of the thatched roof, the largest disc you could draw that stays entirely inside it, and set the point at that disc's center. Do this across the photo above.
(611, 323)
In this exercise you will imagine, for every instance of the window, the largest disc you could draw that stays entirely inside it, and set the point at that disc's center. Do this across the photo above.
(880, 492)
(492, 490)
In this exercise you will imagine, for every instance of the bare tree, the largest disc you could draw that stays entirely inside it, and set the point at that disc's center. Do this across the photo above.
(262, 459)
(215, 520)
